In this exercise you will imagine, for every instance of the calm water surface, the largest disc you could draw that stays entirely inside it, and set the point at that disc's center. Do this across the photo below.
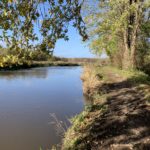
(28, 97)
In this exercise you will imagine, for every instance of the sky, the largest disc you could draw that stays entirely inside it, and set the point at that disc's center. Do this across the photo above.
(74, 47)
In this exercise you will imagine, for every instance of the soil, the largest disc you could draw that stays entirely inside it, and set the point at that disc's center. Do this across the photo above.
(125, 125)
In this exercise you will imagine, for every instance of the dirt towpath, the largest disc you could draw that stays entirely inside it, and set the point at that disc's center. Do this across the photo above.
(125, 125)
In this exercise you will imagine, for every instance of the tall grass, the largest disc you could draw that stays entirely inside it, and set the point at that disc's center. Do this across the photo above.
(90, 80)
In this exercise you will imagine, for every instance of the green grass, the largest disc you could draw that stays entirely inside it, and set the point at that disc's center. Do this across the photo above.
(135, 76)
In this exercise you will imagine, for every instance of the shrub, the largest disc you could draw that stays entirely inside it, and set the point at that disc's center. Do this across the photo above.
(39, 55)
(10, 61)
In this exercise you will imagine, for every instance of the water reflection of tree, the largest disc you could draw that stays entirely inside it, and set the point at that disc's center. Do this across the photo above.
(23, 74)
(42, 72)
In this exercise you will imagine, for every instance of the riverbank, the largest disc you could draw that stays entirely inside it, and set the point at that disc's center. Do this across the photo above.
(119, 116)
(57, 62)
(34, 64)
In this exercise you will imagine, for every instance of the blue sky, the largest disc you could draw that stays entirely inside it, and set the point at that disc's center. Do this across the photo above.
(74, 47)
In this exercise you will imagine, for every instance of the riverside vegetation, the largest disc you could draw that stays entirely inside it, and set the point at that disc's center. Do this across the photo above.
(11, 59)
(119, 116)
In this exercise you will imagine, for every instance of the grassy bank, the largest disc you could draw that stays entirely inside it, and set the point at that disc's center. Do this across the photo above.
(15, 64)
(32, 64)
(119, 116)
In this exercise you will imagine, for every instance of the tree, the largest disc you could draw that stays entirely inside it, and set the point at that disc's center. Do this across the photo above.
(19, 18)
(117, 27)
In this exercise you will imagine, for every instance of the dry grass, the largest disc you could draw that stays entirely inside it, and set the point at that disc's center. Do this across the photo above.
(90, 80)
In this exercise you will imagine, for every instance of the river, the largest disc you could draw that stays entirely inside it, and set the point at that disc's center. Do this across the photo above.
(28, 98)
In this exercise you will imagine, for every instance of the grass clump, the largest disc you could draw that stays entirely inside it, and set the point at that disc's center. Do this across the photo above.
(90, 81)
(73, 136)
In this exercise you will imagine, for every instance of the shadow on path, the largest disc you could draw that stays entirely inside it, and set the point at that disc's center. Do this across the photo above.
(126, 122)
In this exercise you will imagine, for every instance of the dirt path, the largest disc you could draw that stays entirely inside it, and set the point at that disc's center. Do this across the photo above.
(125, 125)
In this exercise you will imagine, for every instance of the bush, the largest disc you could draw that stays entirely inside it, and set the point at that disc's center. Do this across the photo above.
(39, 55)
(10, 61)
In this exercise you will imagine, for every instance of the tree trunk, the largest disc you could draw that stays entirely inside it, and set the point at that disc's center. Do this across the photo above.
(133, 56)
(126, 52)
(130, 37)
(134, 37)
